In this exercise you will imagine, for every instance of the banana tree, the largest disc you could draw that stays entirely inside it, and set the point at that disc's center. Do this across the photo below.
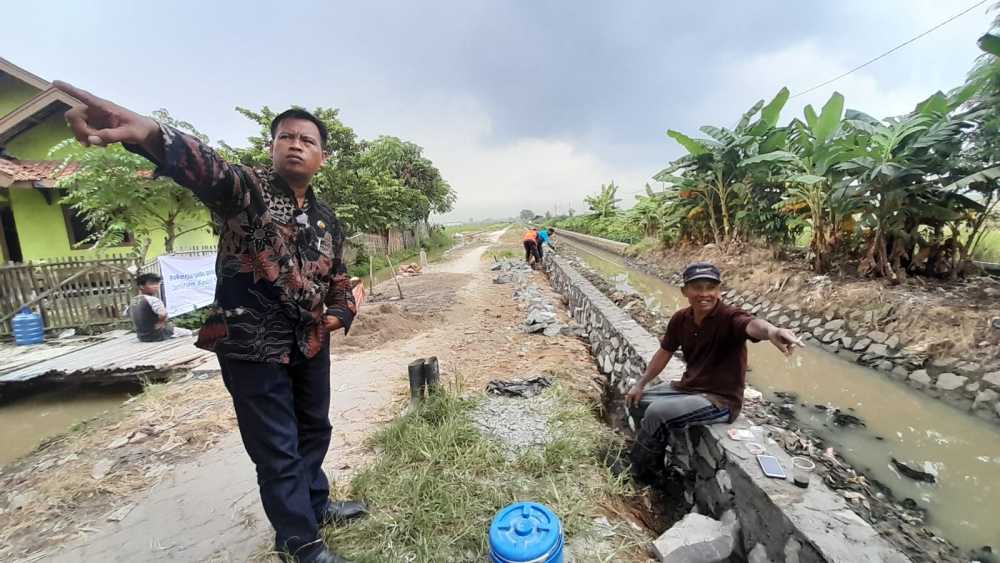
(815, 192)
(604, 203)
(714, 164)
(897, 165)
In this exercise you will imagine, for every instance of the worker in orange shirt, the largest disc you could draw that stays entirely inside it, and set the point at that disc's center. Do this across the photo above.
(531, 246)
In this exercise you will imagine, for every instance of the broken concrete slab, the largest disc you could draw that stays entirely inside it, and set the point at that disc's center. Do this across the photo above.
(696, 539)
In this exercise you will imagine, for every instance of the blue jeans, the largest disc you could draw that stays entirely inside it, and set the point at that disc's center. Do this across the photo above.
(283, 415)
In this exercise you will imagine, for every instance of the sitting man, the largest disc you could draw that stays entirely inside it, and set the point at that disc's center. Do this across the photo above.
(149, 314)
(712, 336)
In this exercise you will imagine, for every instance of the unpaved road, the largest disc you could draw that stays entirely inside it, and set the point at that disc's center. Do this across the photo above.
(208, 509)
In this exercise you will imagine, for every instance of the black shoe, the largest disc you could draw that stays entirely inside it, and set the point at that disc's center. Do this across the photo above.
(328, 556)
(343, 511)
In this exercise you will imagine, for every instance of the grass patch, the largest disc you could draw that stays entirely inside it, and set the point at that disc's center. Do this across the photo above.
(435, 246)
(438, 483)
(474, 228)
(989, 247)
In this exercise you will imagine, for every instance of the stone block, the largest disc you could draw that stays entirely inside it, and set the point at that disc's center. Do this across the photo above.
(862, 345)
(985, 398)
(878, 336)
(878, 350)
(758, 555)
(919, 378)
(848, 355)
(900, 373)
(884, 365)
(835, 324)
(992, 379)
(892, 341)
(950, 381)
(783, 320)
(831, 347)
(813, 323)
(846, 342)
(696, 539)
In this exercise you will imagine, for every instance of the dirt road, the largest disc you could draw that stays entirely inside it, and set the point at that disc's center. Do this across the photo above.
(208, 509)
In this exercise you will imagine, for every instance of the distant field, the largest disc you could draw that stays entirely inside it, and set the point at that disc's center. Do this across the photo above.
(989, 248)
(455, 229)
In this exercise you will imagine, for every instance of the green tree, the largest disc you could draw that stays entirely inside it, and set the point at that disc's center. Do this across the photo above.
(372, 186)
(716, 165)
(817, 193)
(604, 203)
(526, 215)
(115, 193)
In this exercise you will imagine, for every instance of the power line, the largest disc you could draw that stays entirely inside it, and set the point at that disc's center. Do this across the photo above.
(894, 49)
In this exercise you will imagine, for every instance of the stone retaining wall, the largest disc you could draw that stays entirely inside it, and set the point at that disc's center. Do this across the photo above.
(778, 521)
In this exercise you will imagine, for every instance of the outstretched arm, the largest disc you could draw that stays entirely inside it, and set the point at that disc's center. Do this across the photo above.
(221, 186)
(782, 338)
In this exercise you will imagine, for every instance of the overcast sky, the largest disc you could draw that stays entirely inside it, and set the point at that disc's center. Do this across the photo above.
(520, 104)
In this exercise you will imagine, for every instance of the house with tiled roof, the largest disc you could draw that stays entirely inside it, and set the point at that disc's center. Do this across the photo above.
(35, 225)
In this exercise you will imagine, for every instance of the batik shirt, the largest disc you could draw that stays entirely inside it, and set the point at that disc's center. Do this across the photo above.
(279, 266)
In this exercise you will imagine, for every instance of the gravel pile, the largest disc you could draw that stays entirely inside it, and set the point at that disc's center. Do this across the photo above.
(516, 424)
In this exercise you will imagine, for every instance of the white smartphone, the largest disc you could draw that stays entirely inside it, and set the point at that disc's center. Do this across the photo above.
(771, 467)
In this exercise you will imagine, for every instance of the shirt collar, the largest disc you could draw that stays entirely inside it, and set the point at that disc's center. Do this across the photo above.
(281, 186)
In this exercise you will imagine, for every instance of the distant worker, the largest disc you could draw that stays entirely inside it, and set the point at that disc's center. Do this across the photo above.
(531, 252)
(713, 336)
(545, 238)
(149, 314)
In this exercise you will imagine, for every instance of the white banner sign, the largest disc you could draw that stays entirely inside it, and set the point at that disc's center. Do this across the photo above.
(188, 282)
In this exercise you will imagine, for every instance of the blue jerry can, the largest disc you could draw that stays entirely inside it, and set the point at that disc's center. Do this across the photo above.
(28, 328)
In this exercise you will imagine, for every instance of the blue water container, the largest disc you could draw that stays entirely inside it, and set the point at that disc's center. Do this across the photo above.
(526, 532)
(28, 328)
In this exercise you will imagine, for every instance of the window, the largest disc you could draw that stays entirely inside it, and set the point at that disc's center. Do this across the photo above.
(78, 230)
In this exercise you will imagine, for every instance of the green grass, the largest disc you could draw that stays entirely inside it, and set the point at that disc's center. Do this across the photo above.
(474, 228)
(438, 483)
(435, 246)
(989, 247)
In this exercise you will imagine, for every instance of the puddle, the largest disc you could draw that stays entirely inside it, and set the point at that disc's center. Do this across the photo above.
(901, 422)
(27, 421)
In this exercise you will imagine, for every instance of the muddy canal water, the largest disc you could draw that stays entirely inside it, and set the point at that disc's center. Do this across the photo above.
(27, 421)
(901, 422)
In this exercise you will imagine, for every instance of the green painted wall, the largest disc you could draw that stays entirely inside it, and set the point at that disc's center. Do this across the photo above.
(13, 93)
(35, 143)
(42, 230)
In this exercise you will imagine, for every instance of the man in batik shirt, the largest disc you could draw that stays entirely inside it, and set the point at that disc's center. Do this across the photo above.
(282, 288)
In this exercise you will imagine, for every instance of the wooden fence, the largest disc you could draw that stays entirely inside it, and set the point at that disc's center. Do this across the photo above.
(77, 292)
(70, 292)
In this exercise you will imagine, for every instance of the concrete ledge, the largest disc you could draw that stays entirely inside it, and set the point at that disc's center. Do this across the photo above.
(788, 523)
(602, 243)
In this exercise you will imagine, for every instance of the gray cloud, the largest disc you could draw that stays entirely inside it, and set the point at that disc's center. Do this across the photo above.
(522, 104)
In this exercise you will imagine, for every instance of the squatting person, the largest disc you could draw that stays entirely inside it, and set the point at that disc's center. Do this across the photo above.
(530, 240)
(712, 336)
(282, 288)
(149, 314)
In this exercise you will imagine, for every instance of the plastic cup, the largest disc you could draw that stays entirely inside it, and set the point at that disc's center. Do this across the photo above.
(802, 469)
(755, 449)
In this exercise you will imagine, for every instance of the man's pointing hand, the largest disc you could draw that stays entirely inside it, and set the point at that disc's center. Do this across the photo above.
(100, 122)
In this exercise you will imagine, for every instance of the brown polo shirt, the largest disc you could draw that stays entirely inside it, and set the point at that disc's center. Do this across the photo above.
(715, 353)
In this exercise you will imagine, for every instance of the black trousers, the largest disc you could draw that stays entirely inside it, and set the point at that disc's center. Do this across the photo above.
(531, 249)
(283, 415)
